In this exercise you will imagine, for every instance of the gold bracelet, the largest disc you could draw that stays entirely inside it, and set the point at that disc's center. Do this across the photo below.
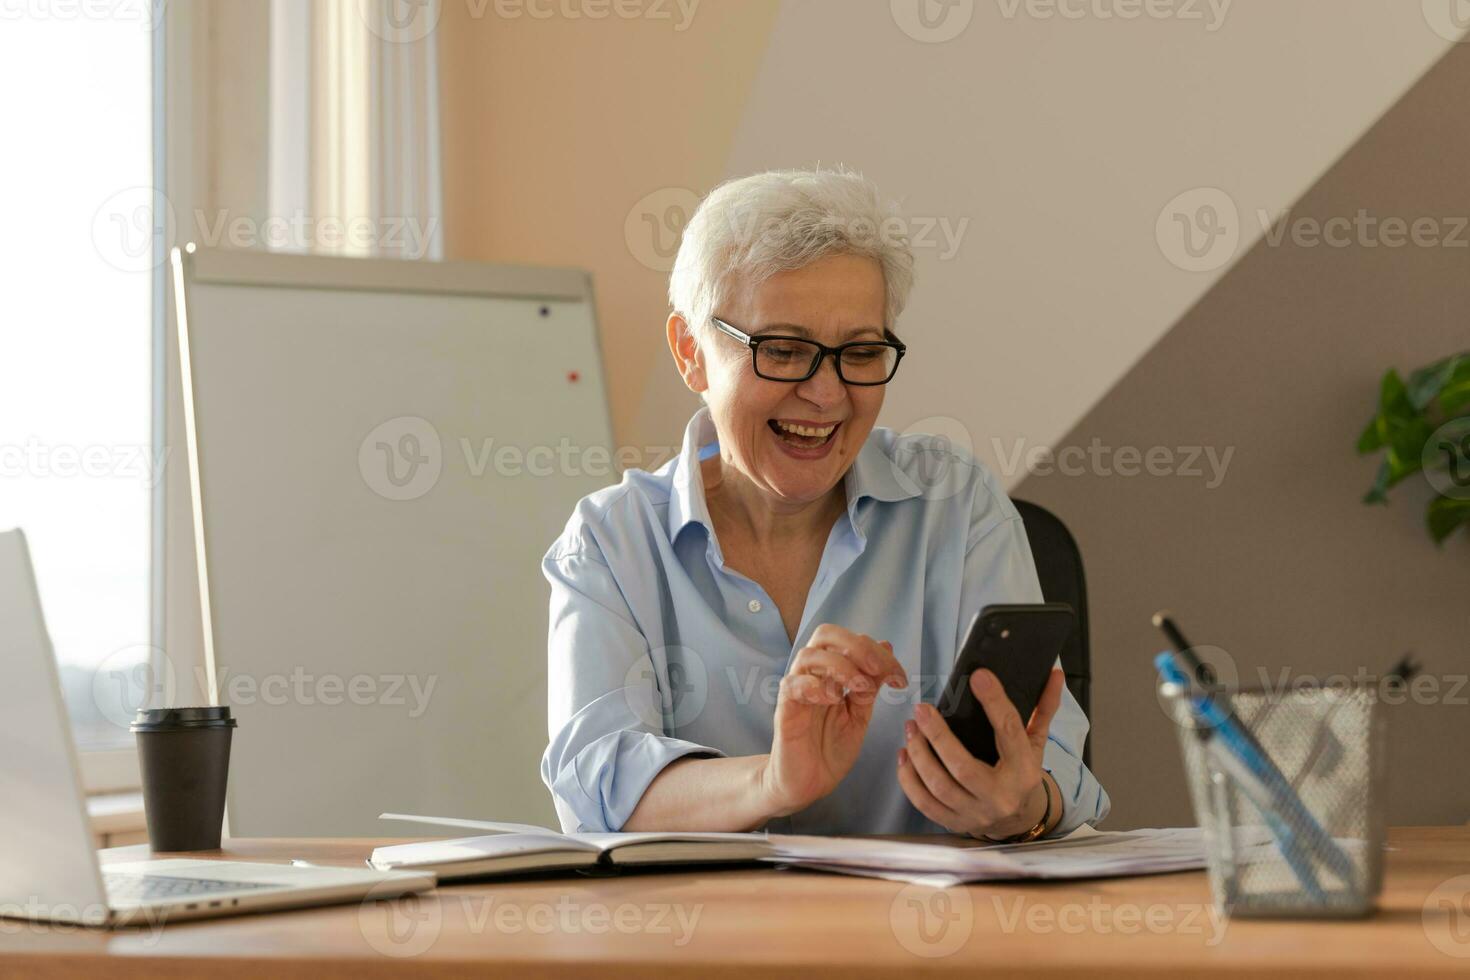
(1026, 836)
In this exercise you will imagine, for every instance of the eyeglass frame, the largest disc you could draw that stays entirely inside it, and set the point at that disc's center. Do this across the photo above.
(823, 353)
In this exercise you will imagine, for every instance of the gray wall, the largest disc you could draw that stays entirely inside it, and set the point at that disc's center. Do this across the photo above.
(1281, 565)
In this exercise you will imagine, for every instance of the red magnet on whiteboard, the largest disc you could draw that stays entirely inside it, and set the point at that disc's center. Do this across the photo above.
(573, 376)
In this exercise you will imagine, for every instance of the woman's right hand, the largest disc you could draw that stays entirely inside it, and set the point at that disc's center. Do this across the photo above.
(822, 713)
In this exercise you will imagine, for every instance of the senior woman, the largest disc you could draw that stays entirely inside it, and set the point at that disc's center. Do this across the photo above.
(753, 636)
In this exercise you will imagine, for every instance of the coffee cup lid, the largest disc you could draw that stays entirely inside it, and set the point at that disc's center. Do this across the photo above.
(175, 719)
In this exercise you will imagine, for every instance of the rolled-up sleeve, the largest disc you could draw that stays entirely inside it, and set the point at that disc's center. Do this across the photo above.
(999, 569)
(606, 695)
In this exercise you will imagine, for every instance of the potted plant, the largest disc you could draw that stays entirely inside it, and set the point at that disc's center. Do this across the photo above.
(1423, 425)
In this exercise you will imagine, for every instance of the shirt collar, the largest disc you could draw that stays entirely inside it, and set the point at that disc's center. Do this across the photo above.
(875, 474)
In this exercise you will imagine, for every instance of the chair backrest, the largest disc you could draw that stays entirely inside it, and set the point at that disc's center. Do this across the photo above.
(1059, 567)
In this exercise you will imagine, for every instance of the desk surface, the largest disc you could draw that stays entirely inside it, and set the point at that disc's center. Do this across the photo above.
(779, 923)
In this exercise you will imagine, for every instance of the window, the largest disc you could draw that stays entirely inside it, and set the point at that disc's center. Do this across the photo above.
(82, 265)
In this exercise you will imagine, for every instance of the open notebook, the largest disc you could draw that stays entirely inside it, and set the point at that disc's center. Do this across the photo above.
(513, 848)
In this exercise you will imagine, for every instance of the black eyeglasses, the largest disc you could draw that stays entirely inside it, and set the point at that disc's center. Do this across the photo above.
(862, 362)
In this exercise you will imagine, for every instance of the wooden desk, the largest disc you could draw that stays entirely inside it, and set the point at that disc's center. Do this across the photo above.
(778, 923)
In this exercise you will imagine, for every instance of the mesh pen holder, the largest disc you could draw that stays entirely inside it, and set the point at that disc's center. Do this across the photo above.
(1320, 859)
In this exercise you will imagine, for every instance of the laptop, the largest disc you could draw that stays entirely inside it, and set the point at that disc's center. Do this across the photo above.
(48, 866)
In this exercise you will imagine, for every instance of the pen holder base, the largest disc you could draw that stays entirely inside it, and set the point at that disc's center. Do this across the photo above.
(1316, 851)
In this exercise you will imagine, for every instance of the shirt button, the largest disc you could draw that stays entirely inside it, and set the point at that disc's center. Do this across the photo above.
(753, 605)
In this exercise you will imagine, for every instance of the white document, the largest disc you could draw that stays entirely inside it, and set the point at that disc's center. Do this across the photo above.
(1084, 853)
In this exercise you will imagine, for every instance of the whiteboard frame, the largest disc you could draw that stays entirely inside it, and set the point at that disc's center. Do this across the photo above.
(240, 267)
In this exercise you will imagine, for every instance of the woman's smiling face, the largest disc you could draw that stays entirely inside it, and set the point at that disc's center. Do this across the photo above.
(834, 300)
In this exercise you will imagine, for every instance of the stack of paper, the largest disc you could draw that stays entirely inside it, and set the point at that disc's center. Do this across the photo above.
(1085, 853)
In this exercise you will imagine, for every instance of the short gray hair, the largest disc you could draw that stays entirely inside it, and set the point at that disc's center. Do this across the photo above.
(751, 228)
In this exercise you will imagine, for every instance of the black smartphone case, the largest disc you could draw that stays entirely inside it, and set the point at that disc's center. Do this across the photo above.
(1020, 643)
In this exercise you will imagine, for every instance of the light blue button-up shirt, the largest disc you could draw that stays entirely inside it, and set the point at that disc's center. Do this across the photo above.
(657, 650)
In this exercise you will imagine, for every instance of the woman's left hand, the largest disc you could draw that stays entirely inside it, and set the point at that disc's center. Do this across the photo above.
(964, 795)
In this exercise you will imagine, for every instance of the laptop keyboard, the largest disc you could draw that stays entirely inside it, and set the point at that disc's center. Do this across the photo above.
(149, 887)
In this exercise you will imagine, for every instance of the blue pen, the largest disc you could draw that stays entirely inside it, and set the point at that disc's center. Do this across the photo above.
(1228, 756)
(1278, 793)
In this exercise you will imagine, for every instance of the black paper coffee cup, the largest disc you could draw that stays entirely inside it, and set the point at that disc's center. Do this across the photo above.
(184, 754)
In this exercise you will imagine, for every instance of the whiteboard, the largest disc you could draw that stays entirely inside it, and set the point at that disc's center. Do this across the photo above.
(381, 451)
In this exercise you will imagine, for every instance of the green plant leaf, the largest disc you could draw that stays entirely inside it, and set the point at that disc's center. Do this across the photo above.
(1444, 515)
(1371, 439)
(1454, 394)
(1394, 410)
(1427, 382)
(1377, 493)
(1405, 455)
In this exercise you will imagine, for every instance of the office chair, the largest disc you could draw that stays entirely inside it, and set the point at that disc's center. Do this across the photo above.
(1059, 567)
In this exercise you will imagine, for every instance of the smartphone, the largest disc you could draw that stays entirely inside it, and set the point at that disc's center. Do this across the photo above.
(1020, 643)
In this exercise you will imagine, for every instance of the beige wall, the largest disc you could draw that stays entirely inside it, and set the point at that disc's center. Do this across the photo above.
(1281, 565)
(1048, 147)
(555, 129)
(1060, 142)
